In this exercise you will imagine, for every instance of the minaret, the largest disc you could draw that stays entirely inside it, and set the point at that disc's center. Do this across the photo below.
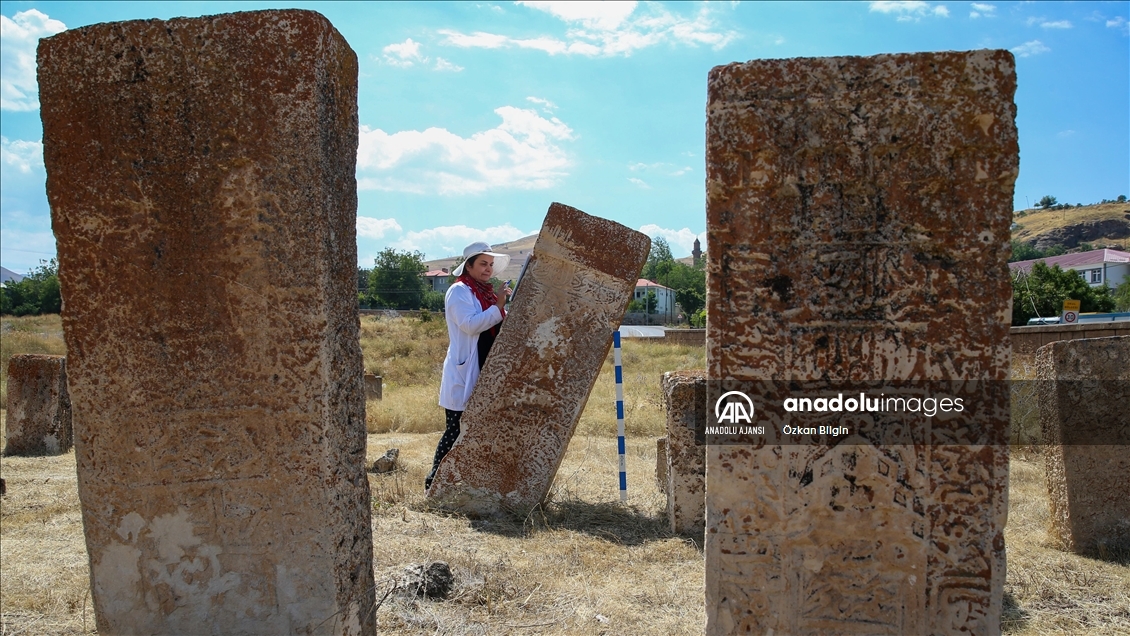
(696, 252)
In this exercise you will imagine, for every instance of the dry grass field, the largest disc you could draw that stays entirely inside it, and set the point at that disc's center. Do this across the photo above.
(583, 565)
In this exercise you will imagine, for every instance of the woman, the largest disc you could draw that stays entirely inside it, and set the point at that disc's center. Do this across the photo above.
(474, 313)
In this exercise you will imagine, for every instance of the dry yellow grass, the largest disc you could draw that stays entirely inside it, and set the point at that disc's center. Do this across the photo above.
(582, 565)
(1036, 222)
(27, 334)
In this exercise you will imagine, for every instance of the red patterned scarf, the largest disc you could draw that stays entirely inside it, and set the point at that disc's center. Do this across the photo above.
(484, 292)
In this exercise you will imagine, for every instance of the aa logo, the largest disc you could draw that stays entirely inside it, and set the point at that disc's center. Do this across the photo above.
(734, 411)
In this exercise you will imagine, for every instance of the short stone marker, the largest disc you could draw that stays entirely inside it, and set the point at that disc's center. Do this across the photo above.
(685, 393)
(39, 407)
(858, 211)
(374, 387)
(201, 179)
(534, 385)
(1083, 387)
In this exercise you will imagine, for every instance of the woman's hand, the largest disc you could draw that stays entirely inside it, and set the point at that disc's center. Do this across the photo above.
(503, 294)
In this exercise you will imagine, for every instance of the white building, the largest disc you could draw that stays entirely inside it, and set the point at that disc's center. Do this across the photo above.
(664, 299)
(1098, 267)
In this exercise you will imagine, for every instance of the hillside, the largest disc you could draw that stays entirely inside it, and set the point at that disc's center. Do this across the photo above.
(518, 250)
(1100, 225)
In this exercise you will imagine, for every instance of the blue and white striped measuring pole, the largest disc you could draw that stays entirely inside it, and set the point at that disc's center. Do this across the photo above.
(620, 416)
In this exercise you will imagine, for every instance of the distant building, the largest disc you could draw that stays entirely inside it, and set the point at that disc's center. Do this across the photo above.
(664, 298)
(1098, 267)
(437, 279)
(696, 253)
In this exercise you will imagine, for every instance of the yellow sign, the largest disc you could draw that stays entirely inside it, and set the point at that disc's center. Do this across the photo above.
(1071, 305)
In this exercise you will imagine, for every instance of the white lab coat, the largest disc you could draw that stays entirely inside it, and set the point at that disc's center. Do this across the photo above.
(465, 321)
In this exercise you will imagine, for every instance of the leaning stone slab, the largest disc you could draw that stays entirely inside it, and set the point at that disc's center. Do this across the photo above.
(39, 407)
(1083, 388)
(201, 180)
(685, 392)
(859, 213)
(534, 385)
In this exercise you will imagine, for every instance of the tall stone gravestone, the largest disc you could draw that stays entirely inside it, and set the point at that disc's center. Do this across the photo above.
(1083, 387)
(39, 407)
(858, 212)
(536, 380)
(685, 394)
(201, 180)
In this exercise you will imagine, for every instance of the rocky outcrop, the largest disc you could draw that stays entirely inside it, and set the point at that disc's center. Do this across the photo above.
(1070, 236)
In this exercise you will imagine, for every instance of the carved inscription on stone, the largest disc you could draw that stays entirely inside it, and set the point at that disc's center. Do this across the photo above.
(201, 179)
(859, 212)
(537, 379)
(685, 483)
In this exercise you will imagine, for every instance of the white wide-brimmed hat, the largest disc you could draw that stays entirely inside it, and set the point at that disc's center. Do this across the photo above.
(501, 261)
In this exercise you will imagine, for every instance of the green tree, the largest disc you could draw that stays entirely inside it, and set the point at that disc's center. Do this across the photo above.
(37, 293)
(1122, 296)
(651, 301)
(433, 301)
(689, 284)
(396, 281)
(1043, 290)
(1046, 202)
(659, 260)
(1022, 251)
(698, 319)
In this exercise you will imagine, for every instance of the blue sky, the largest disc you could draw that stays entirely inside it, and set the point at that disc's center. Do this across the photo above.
(475, 116)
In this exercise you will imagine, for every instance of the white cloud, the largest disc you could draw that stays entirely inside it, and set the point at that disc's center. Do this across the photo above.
(909, 10)
(1033, 47)
(981, 10)
(368, 227)
(548, 105)
(20, 157)
(19, 36)
(522, 152)
(681, 241)
(660, 168)
(639, 182)
(1120, 23)
(404, 54)
(1058, 24)
(449, 240)
(606, 29)
(605, 16)
(444, 65)
(1064, 134)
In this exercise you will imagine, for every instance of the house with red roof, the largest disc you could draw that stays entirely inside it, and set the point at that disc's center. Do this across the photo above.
(664, 297)
(437, 279)
(1098, 267)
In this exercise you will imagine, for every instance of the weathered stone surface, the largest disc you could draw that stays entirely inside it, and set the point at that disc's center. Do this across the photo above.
(386, 463)
(39, 407)
(685, 392)
(374, 387)
(661, 463)
(858, 212)
(543, 365)
(1084, 397)
(201, 180)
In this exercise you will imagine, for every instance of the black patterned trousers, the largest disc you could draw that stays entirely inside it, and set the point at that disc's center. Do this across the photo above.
(450, 434)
